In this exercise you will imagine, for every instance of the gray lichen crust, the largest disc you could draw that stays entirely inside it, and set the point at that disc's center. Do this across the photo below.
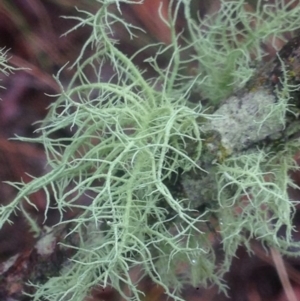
(244, 121)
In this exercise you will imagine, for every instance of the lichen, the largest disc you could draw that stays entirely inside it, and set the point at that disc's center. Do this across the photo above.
(5, 67)
(130, 138)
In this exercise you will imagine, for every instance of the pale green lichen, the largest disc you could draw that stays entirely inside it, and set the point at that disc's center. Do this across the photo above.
(129, 138)
(226, 41)
(5, 67)
(253, 198)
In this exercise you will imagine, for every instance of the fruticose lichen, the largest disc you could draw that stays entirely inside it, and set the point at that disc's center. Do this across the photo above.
(5, 67)
(129, 138)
